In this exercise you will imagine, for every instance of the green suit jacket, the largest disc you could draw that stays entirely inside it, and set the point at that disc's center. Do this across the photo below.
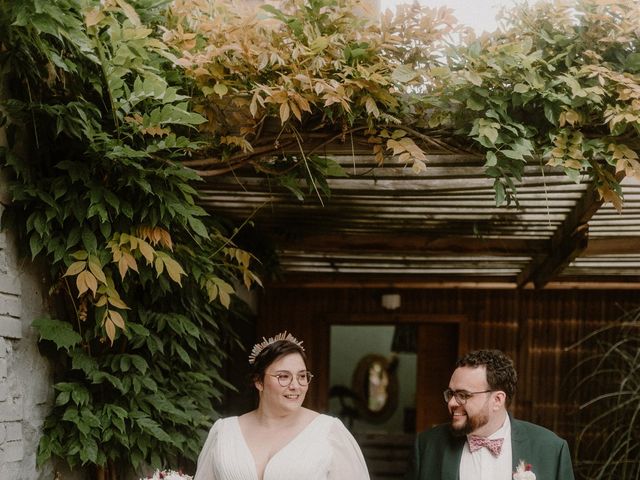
(437, 453)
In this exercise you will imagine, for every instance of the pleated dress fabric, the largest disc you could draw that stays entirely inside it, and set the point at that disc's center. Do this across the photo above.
(324, 450)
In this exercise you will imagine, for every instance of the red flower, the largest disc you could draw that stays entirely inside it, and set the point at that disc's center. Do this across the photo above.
(528, 467)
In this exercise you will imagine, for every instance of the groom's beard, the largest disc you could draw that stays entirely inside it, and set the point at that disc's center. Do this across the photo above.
(471, 424)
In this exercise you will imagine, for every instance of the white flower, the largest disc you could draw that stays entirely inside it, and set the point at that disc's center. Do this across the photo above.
(168, 475)
(524, 472)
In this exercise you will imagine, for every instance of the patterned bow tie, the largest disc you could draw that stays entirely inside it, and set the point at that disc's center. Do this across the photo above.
(494, 445)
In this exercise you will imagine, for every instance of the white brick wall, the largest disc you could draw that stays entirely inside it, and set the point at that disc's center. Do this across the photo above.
(26, 392)
(25, 376)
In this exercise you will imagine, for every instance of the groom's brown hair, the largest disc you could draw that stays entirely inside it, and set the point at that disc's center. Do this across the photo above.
(501, 374)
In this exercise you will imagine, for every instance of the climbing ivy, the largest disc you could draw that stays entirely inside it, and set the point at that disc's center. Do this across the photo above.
(142, 278)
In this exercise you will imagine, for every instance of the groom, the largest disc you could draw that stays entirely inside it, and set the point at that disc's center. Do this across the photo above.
(483, 442)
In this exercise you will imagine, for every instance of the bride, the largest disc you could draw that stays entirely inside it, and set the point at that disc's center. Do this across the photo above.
(281, 439)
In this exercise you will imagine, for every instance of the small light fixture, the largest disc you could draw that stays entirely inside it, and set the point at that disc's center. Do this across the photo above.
(391, 301)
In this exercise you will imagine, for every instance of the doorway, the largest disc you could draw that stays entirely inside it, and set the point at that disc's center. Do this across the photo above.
(418, 352)
(441, 339)
(371, 387)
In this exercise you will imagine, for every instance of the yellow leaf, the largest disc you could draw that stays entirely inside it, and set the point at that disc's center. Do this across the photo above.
(418, 167)
(295, 110)
(93, 17)
(110, 329)
(96, 269)
(253, 107)
(116, 253)
(621, 151)
(572, 163)
(117, 319)
(302, 103)
(131, 261)
(87, 281)
(165, 239)
(159, 265)
(630, 166)
(245, 258)
(146, 250)
(372, 108)
(609, 195)
(81, 283)
(102, 301)
(212, 291)
(118, 303)
(75, 268)
(174, 269)
(263, 60)
(396, 146)
(284, 112)
(122, 267)
(412, 148)
(379, 154)
(225, 299)
(129, 11)
(404, 157)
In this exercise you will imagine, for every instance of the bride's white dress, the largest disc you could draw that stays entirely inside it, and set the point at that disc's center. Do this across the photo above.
(324, 450)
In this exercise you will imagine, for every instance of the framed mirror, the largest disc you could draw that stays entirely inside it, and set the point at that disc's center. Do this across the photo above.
(375, 384)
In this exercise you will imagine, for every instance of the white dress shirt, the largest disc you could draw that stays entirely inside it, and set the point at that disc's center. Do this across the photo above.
(482, 465)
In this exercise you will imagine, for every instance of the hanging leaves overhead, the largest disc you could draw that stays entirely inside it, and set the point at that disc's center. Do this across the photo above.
(558, 84)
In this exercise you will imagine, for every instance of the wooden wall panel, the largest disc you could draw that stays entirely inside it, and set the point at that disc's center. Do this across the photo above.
(534, 327)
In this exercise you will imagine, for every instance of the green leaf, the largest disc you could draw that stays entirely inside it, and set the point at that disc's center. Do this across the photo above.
(58, 332)
(80, 360)
(198, 227)
(89, 451)
(404, 73)
(35, 244)
(62, 398)
(492, 159)
(150, 426)
(220, 89)
(498, 187)
(89, 240)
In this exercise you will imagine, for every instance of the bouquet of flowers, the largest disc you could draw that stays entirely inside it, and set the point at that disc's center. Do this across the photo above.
(524, 472)
(168, 475)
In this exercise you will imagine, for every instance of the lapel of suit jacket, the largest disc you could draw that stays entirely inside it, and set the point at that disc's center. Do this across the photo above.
(451, 458)
(519, 443)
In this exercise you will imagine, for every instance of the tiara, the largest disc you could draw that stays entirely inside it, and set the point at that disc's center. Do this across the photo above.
(258, 347)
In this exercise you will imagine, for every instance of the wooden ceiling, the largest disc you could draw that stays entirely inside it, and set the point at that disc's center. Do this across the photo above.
(386, 226)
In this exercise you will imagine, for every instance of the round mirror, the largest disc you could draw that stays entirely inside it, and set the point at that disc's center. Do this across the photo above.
(376, 386)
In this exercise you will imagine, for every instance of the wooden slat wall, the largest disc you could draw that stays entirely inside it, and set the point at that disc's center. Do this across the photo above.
(534, 327)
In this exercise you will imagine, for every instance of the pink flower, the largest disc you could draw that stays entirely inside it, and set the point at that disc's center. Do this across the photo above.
(168, 475)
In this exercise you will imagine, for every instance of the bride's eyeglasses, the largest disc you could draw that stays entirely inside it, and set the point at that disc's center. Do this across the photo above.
(285, 378)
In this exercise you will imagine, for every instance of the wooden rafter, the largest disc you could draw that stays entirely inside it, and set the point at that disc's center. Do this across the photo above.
(623, 245)
(413, 243)
(569, 241)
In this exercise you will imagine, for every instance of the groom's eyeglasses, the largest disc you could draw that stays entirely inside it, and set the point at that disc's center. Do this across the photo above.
(461, 396)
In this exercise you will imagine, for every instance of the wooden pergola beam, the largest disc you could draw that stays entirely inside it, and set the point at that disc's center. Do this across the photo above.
(412, 243)
(568, 242)
(624, 245)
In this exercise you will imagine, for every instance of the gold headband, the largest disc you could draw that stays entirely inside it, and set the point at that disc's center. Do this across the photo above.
(258, 347)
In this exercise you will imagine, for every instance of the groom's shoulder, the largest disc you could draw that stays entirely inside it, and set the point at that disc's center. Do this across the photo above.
(535, 431)
(435, 433)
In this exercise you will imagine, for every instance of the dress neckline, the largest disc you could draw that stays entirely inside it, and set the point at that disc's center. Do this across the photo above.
(277, 453)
